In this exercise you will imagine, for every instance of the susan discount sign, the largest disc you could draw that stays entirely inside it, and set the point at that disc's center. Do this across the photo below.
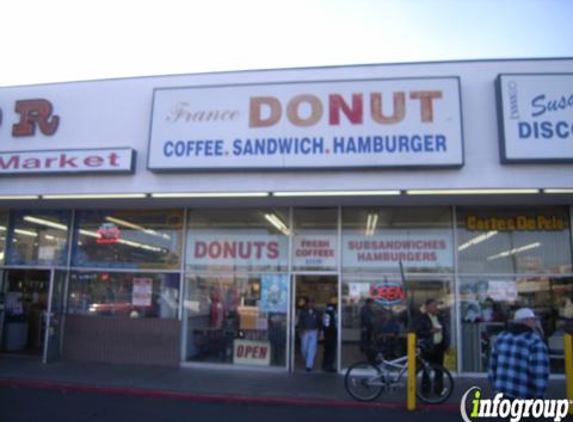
(536, 117)
(335, 124)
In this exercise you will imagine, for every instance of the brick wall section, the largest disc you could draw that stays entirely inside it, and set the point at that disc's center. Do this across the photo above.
(122, 340)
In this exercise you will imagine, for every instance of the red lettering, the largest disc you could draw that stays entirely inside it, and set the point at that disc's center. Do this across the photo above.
(240, 351)
(200, 249)
(93, 161)
(248, 351)
(264, 351)
(337, 104)
(273, 250)
(113, 157)
(13, 162)
(35, 112)
(64, 161)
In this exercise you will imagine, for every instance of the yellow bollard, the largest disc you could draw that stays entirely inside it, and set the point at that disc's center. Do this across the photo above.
(411, 390)
(568, 342)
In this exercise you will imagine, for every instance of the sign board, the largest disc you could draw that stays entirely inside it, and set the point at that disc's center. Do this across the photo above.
(535, 113)
(274, 293)
(422, 249)
(249, 352)
(240, 249)
(142, 291)
(315, 250)
(311, 125)
(109, 160)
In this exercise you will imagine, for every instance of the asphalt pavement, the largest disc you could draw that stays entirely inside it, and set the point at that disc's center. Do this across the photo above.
(229, 384)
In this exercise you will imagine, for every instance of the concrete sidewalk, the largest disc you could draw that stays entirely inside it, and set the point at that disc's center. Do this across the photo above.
(211, 384)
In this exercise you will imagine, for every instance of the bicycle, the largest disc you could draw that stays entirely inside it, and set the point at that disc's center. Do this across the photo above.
(365, 381)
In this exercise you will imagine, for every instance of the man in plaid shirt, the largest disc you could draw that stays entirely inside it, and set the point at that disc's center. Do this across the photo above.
(519, 365)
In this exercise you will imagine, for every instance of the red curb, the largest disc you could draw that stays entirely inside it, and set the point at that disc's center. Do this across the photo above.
(149, 393)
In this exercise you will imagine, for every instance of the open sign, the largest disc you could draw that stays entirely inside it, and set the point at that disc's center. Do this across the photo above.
(388, 293)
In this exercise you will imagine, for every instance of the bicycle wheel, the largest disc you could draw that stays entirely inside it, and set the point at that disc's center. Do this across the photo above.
(363, 381)
(429, 388)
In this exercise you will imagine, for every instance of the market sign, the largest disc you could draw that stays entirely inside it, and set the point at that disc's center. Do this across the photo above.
(329, 124)
(108, 160)
(535, 113)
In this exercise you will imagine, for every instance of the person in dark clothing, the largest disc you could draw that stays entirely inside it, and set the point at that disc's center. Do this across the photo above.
(330, 330)
(434, 335)
(367, 327)
(309, 324)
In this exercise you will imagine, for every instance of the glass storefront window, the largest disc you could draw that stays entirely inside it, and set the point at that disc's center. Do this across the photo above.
(237, 319)
(38, 238)
(3, 234)
(315, 240)
(488, 304)
(394, 309)
(128, 239)
(509, 241)
(123, 294)
(377, 239)
(237, 239)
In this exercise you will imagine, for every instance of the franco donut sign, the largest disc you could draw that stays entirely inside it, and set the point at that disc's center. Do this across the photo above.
(331, 124)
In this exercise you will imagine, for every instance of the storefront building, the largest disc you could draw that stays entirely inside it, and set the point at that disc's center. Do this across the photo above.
(182, 220)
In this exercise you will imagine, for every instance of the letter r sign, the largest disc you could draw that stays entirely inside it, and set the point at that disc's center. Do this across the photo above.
(35, 113)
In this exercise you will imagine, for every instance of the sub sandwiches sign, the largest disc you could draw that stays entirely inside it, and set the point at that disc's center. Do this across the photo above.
(330, 124)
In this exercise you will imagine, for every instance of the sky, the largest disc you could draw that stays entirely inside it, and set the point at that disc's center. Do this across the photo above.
(62, 40)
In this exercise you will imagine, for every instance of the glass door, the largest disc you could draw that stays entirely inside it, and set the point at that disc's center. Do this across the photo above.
(55, 316)
(314, 331)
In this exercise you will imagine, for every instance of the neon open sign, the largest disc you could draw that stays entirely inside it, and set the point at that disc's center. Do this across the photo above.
(388, 293)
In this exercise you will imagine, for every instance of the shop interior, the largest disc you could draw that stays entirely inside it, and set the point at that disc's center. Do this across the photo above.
(25, 305)
(322, 289)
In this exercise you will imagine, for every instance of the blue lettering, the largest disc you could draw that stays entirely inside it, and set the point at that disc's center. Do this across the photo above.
(535, 103)
(440, 143)
(524, 130)
(562, 130)
(237, 147)
(168, 149)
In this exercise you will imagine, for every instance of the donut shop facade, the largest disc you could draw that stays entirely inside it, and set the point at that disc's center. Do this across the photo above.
(184, 220)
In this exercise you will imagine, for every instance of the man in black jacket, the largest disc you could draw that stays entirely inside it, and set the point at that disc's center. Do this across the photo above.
(330, 330)
(434, 335)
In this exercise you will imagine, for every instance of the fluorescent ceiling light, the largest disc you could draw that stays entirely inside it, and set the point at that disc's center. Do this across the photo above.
(558, 190)
(17, 197)
(96, 196)
(134, 226)
(477, 239)
(26, 232)
(90, 233)
(44, 222)
(2, 228)
(371, 223)
(210, 195)
(278, 223)
(338, 193)
(471, 191)
(507, 253)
